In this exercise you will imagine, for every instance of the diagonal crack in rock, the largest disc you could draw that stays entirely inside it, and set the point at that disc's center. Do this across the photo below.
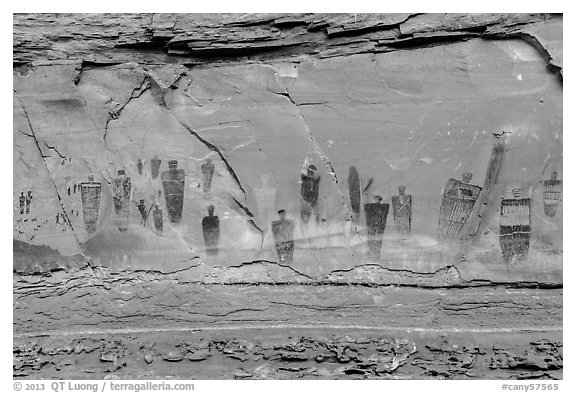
(33, 134)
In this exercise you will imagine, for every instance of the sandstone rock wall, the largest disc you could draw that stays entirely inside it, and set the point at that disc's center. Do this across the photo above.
(409, 100)
(263, 97)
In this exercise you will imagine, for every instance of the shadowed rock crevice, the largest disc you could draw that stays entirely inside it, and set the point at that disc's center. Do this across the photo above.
(193, 39)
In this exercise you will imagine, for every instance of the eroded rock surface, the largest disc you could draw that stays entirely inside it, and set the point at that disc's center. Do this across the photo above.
(295, 355)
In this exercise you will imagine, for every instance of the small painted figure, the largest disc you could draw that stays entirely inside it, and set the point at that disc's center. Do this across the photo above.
(376, 217)
(402, 209)
(354, 190)
(552, 194)
(28, 201)
(139, 166)
(211, 230)
(75, 188)
(143, 212)
(283, 232)
(57, 218)
(309, 192)
(173, 182)
(122, 190)
(91, 193)
(457, 204)
(155, 166)
(22, 201)
(515, 226)
(158, 218)
(207, 174)
(68, 190)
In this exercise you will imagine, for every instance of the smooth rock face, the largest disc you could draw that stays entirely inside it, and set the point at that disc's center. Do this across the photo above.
(411, 118)
(129, 128)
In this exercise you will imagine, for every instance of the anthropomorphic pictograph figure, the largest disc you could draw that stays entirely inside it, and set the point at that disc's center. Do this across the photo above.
(143, 212)
(121, 194)
(155, 167)
(402, 209)
(376, 217)
(354, 190)
(552, 194)
(158, 218)
(207, 175)
(91, 194)
(283, 233)
(28, 201)
(457, 204)
(173, 182)
(514, 225)
(22, 201)
(310, 186)
(211, 231)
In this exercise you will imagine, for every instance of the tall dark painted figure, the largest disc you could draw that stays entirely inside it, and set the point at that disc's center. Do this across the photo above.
(283, 232)
(457, 204)
(121, 192)
(354, 190)
(155, 167)
(552, 194)
(207, 174)
(173, 181)
(309, 192)
(139, 166)
(211, 230)
(402, 209)
(90, 194)
(376, 217)
(515, 227)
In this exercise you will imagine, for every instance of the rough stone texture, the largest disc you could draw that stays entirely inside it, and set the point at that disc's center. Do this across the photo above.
(408, 99)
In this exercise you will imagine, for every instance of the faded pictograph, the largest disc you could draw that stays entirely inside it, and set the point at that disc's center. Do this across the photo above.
(22, 202)
(515, 225)
(173, 182)
(376, 216)
(265, 196)
(139, 166)
(457, 204)
(310, 186)
(354, 190)
(91, 195)
(361, 231)
(28, 201)
(143, 211)
(158, 218)
(122, 193)
(552, 194)
(207, 175)
(402, 209)
(155, 167)
(283, 232)
(211, 231)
